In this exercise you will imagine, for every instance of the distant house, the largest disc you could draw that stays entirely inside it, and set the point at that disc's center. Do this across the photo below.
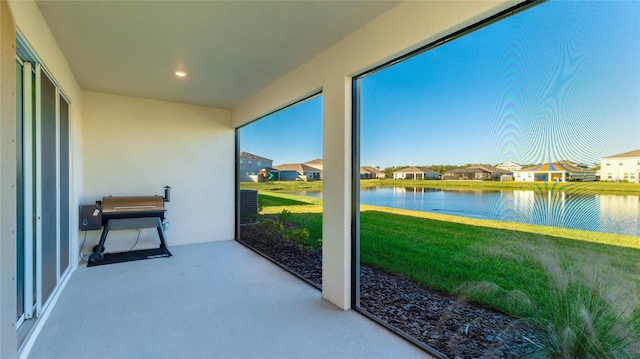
(250, 166)
(416, 173)
(368, 172)
(476, 173)
(317, 163)
(561, 171)
(298, 172)
(621, 167)
(510, 166)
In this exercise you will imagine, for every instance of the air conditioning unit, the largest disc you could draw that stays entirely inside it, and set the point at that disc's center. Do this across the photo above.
(248, 206)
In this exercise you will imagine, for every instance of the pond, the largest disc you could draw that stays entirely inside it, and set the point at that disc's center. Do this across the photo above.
(600, 213)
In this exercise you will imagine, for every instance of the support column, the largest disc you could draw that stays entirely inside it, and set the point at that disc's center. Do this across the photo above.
(336, 198)
(8, 307)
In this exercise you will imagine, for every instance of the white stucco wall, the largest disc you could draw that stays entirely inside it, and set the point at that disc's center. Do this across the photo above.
(524, 176)
(135, 147)
(618, 166)
(404, 28)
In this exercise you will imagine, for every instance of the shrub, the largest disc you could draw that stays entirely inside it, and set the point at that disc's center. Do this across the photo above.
(578, 321)
(272, 228)
(578, 311)
(299, 237)
(284, 216)
(275, 230)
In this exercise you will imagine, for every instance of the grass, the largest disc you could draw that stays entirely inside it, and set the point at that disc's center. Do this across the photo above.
(530, 271)
(465, 259)
(453, 254)
(304, 211)
(273, 201)
(283, 186)
(567, 233)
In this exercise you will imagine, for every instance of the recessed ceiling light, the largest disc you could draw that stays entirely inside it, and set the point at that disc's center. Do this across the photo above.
(180, 73)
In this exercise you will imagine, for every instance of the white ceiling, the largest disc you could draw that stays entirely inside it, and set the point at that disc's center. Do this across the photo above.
(230, 49)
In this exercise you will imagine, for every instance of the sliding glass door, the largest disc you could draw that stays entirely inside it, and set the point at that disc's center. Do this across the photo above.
(47, 186)
(20, 191)
(43, 206)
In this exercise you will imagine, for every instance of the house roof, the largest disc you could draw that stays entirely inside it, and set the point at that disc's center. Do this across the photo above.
(476, 168)
(560, 166)
(317, 161)
(230, 49)
(365, 169)
(635, 153)
(298, 167)
(473, 169)
(250, 156)
(509, 164)
(487, 168)
(415, 170)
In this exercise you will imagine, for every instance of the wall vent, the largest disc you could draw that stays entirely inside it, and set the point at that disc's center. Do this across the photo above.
(248, 206)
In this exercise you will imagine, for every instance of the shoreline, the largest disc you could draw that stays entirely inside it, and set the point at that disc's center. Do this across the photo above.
(605, 188)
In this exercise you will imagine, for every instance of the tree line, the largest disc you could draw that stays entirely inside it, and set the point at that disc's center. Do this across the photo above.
(441, 169)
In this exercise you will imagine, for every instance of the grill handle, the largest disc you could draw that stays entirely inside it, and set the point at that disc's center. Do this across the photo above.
(134, 207)
(167, 193)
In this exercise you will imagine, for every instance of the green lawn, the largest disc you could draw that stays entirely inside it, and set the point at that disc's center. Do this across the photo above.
(489, 265)
(283, 186)
(305, 211)
(500, 264)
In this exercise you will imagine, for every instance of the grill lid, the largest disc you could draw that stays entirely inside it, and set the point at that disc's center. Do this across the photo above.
(132, 207)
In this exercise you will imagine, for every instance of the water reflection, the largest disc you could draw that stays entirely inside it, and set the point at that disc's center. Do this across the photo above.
(620, 211)
(600, 213)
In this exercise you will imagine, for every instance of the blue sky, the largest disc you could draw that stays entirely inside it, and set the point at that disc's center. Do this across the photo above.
(291, 135)
(558, 81)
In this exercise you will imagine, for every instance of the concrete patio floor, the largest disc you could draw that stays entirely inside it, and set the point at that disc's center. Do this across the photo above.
(210, 300)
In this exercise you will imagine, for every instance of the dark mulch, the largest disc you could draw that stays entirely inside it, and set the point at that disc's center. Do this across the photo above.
(448, 324)
(305, 263)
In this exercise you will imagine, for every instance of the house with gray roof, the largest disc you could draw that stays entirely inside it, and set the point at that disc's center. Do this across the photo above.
(510, 166)
(416, 173)
(368, 172)
(317, 163)
(476, 173)
(298, 172)
(250, 166)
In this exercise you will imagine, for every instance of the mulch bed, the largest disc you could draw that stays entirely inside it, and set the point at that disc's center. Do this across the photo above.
(448, 324)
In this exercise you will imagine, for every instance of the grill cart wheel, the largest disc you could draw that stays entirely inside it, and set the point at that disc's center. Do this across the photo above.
(95, 257)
